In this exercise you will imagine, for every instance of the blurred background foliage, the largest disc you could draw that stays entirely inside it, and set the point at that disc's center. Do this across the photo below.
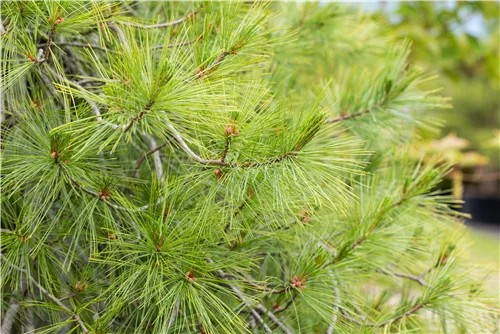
(460, 42)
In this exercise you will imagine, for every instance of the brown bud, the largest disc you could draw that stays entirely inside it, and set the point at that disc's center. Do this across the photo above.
(81, 286)
(306, 220)
(305, 216)
(59, 20)
(199, 73)
(66, 161)
(112, 236)
(297, 282)
(229, 130)
(190, 276)
(218, 174)
(54, 155)
(31, 59)
(104, 194)
(236, 132)
(35, 105)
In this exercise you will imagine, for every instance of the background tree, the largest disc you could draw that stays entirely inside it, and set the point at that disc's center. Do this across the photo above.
(222, 168)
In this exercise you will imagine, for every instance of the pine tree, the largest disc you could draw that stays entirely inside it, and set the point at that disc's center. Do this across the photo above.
(222, 167)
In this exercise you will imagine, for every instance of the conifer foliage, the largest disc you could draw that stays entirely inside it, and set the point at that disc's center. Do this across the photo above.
(221, 167)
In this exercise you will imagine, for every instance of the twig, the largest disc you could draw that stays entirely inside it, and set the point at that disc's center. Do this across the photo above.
(98, 47)
(411, 311)
(226, 148)
(404, 315)
(121, 37)
(158, 47)
(336, 306)
(145, 155)
(188, 150)
(357, 114)
(10, 316)
(417, 279)
(286, 306)
(159, 25)
(53, 298)
(78, 45)
(156, 158)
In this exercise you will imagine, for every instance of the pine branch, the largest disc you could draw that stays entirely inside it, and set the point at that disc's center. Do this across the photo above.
(261, 308)
(10, 316)
(75, 316)
(121, 36)
(408, 313)
(414, 278)
(226, 148)
(156, 158)
(160, 25)
(286, 306)
(336, 306)
(359, 113)
(145, 155)
(78, 45)
(374, 226)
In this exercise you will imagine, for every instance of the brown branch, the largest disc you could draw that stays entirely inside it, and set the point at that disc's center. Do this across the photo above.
(46, 51)
(3, 230)
(158, 47)
(10, 316)
(286, 306)
(417, 279)
(78, 45)
(374, 226)
(145, 155)
(53, 298)
(160, 25)
(404, 315)
(226, 148)
(357, 114)
(411, 311)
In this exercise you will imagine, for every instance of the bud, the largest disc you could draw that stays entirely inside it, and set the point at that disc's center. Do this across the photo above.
(229, 130)
(218, 174)
(112, 236)
(190, 276)
(81, 286)
(104, 194)
(305, 216)
(297, 282)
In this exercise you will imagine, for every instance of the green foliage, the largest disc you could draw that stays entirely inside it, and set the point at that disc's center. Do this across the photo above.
(222, 167)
